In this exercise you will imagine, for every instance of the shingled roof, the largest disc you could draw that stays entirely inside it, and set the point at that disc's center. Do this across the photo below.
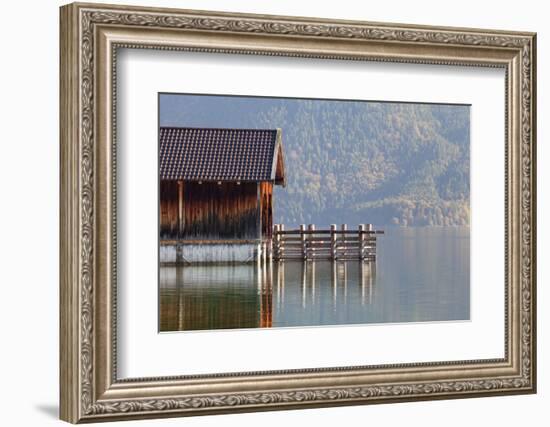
(205, 154)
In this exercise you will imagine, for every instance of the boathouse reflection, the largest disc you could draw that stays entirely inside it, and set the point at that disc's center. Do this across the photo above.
(273, 294)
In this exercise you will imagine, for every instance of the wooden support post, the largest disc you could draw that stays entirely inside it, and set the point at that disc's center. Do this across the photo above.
(311, 227)
(179, 253)
(333, 241)
(281, 241)
(259, 210)
(180, 209)
(276, 239)
(362, 240)
(343, 227)
(304, 243)
(370, 240)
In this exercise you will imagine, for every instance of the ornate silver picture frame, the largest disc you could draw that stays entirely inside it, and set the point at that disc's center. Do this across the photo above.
(91, 36)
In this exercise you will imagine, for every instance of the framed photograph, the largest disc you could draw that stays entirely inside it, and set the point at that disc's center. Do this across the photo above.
(267, 212)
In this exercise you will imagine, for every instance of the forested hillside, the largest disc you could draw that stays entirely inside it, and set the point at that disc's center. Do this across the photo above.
(353, 162)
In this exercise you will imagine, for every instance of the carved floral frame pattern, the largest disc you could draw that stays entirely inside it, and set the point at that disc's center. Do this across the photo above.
(78, 400)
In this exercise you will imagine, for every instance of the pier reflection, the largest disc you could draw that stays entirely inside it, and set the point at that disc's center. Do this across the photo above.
(277, 294)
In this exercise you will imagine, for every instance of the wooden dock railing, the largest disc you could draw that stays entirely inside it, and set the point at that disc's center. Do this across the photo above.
(335, 243)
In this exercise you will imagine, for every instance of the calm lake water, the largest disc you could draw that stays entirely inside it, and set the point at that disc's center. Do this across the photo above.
(421, 274)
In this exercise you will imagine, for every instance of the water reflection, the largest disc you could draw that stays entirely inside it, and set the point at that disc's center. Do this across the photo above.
(420, 275)
(290, 293)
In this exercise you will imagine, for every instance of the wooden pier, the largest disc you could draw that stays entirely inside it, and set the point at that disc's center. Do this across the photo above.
(334, 243)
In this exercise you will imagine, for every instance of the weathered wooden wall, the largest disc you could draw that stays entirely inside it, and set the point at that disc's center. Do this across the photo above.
(169, 209)
(266, 208)
(210, 211)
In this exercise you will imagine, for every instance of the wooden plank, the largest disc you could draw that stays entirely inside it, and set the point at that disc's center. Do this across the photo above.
(337, 244)
(327, 231)
(298, 240)
(324, 242)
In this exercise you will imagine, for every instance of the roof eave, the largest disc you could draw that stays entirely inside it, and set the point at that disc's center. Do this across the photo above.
(278, 148)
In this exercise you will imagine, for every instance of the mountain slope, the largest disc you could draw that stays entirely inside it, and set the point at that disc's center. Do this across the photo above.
(353, 162)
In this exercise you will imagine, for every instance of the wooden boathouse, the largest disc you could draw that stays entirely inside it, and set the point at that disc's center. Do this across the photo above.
(216, 193)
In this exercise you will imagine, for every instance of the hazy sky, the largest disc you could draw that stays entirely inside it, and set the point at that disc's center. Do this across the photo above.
(237, 111)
